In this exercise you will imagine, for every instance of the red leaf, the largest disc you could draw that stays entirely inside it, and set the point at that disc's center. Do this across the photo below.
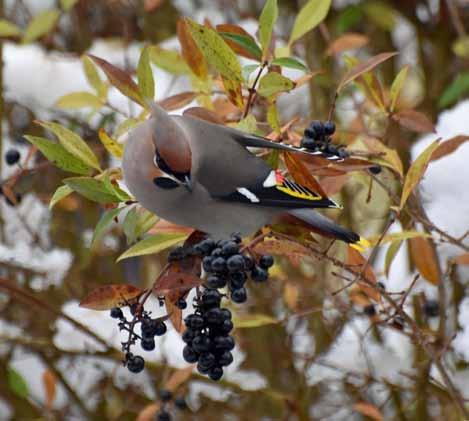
(178, 101)
(448, 146)
(203, 114)
(414, 121)
(109, 296)
(120, 80)
(365, 67)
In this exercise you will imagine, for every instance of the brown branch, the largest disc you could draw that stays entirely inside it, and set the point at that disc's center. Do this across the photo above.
(252, 89)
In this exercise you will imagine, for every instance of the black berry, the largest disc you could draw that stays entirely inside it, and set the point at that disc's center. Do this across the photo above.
(165, 395)
(229, 248)
(201, 343)
(163, 416)
(214, 281)
(375, 169)
(180, 403)
(219, 264)
(189, 354)
(148, 344)
(116, 313)
(329, 128)
(369, 310)
(135, 364)
(431, 308)
(207, 263)
(239, 295)
(225, 359)
(181, 304)
(259, 275)
(12, 156)
(266, 261)
(160, 329)
(215, 373)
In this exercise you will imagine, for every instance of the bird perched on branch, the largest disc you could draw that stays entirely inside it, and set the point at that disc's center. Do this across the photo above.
(201, 175)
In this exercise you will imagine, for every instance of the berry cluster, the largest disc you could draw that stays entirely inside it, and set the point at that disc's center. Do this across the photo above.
(207, 335)
(317, 137)
(149, 329)
(166, 398)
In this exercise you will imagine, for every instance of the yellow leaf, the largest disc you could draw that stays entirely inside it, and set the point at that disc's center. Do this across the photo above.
(397, 86)
(253, 320)
(146, 83)
(111, 145)
(79, 100)
(416, 172)
(310, 16)
(273, 83)
(93, 78)
(216, 51)
(8, 29)
(40, 25)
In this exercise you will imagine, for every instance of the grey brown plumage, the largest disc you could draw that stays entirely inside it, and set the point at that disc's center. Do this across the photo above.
(218, 195)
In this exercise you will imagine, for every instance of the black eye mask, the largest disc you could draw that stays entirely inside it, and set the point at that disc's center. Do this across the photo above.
(165, 183)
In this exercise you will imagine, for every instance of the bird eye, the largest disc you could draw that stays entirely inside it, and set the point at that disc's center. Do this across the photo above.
(165, 183)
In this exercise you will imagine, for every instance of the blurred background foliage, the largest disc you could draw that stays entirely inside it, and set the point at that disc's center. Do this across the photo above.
(306, 319)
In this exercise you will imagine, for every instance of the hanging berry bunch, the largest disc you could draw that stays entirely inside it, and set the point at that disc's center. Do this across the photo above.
(317, 137)
(207, 337)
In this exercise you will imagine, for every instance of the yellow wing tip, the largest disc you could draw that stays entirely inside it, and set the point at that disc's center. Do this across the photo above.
(361, 245)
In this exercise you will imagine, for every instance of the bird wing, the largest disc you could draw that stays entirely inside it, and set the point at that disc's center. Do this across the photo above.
(278, 191)
(230, 172)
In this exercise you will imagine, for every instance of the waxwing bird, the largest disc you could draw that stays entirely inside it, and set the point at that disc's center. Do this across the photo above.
(201, 175)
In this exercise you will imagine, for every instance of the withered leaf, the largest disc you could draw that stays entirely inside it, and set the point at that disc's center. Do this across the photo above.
(177, 101)
(424, 256)
(109, 296)
(414, 121)
(203, 114)
(448, 146)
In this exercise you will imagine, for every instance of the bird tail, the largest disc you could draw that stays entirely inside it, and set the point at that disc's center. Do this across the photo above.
(326, 226)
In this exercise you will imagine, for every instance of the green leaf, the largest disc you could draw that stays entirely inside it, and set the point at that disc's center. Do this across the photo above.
(40, 25)
(310, 16)
(93, 78)
(248, 124)
(349, 17)
(247, 70)
(461, 47)
(17, 383)
(416, 171)
(115, 189)
(383, 15)
(146, 221)
(168, 60)
(457, 89)
(111, 145)
(272, 83)
(253, 320)
(153, 244)
(79, 100)
(290, 62)
(272, 117)
(273, 159)
(73, 143)
(130, 224)
(397, 86)
(391, 254)
(267, 21)
(59, 156)
(67, 4)
(92, 189)
(146, 83)
(247, 43)
(8, 29)
(216, 51)
(104, 224)
(59, 194)
(121, 80)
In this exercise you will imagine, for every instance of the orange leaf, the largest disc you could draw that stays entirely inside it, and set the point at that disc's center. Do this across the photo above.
(349, 41)
(301, 174)
(176, 280)
(50, 385)
(190, 51)
(175, 315)
(109, 296)
(364, 67)
(120, 80)
(358, 262)
(368, 410)
(424, 256)
(295, 252)
(178, 378)
(414, 121)
(291, 294)
(462, 259)
(333, 185)
(448, 146)
(178, 101)
(148, 413)
(203, 114)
